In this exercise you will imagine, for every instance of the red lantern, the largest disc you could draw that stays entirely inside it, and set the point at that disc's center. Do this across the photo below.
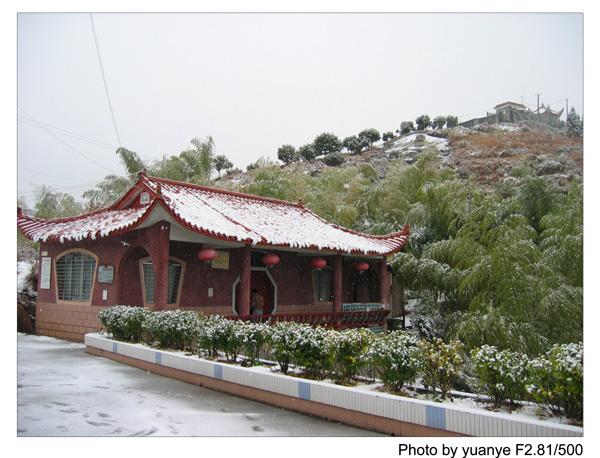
(317, 263)
(207, 255)
(270, 260)
(361, 267)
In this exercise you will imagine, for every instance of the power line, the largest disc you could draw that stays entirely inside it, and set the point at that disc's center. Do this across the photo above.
(56, 137)
(112, 113)
(51, 176)
(75, 187)
(59, 130)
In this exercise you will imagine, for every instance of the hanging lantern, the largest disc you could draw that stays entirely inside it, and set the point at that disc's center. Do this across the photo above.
(269, 260)
(207, 255)
(317, 263)
(361, 267)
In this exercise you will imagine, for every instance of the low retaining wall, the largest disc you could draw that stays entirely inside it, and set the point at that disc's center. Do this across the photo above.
(397, 415)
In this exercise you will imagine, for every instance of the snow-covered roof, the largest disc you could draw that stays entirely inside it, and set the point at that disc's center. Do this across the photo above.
(219, 214)
(89, 226)
(519, 106)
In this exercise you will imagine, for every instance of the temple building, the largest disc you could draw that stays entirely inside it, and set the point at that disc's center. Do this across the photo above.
(168, 244)
(513, 112)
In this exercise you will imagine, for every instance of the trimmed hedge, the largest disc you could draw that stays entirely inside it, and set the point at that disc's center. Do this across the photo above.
(553, 380)
(124, 322)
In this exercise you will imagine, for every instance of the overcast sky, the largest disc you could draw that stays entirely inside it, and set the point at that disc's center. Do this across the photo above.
(256, 81)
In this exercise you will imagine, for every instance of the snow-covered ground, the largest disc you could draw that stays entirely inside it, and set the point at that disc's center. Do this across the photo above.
(410, 146)
(63, 391)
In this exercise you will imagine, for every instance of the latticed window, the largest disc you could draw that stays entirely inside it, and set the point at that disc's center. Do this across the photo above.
(75, 276)
(175, 270)
(322, 281)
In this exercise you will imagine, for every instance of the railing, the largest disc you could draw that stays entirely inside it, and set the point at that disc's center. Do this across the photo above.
(337, 320)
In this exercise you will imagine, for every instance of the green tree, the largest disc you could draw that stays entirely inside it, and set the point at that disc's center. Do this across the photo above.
(387, 136)
(50, 204)
(574, 124)
(107, 191)
(287, 154)
(274, 182)
(326, 143)
(194, 165)
(439, 122)
(353, 144)
(406, 127)
(222, 163)
(307, 152)
(369, 136)
(423, 122)
(451, 121)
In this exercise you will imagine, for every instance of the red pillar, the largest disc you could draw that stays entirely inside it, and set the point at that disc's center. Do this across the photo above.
(384, 282)
(159, 252)
(337, 283)
(245, 268)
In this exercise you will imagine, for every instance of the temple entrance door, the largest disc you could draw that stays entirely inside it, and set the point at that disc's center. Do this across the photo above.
(265, 288)
(261, 287)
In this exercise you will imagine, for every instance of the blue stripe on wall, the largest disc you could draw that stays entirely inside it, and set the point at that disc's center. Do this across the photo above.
(158, 357)
(218, 371)
(304, 390)
(115, 347)
(435, 417)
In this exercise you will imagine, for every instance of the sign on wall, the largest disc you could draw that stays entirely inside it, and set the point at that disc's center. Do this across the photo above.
(221, 261)
(45, 269)
(106, 274)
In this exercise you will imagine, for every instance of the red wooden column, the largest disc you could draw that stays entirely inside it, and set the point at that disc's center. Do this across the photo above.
(383, 277)
(245, 269)
(337, 283)
(159, 252)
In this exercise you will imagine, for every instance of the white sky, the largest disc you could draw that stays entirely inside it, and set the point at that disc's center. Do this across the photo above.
(256, 81)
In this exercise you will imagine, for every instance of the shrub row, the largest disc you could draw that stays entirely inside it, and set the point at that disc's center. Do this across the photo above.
(553, 380)
(398, 358)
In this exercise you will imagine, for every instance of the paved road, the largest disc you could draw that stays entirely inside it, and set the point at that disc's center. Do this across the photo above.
(63, 391)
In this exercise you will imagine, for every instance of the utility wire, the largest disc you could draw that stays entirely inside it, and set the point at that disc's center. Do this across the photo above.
(82, 187)
(112, 113)
(34, 122)
(56, 137)
(52, 176)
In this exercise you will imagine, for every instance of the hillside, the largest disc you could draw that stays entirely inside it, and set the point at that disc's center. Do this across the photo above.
(486, 154)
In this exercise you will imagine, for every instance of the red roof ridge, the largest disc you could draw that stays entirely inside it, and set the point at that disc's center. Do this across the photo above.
(223, 191)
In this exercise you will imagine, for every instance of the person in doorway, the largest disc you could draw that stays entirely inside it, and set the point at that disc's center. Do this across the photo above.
(257, 303)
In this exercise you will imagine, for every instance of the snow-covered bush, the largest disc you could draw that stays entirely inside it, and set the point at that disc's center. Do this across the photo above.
(210, 335)
(124, 322)
(440, 363)
(172, 328)
(218, 334)
(348, 349)
(556, 380)
(310, 349)
(253, 337)
(501, 375)
(282, 338)
(395, 358)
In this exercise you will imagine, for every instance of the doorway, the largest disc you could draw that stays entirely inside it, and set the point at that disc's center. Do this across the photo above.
(261, 281)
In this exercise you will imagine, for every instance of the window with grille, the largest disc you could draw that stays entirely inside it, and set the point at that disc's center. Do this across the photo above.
(322, 281)
(75, 276)
(175, 270)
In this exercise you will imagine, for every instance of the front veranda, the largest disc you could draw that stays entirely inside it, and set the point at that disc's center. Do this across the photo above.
(158, 267)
